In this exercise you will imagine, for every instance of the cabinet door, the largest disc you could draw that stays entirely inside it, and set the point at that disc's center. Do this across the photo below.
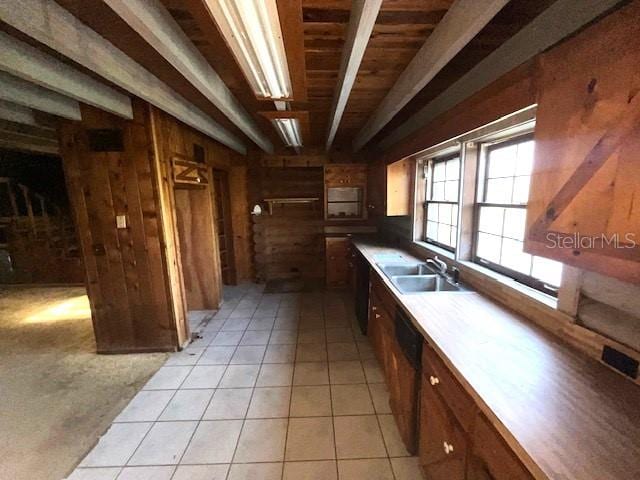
(337, 251)
(491, 458)
(403, 395)
(443, 446)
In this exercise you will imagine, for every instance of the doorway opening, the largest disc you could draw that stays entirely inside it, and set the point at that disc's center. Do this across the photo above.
(222, 218)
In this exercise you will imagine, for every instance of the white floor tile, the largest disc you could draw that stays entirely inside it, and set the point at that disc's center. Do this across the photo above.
(255, 337)
(343, 334)
(380, 397)
(346, 372)
(227, 338)
(146, 473)
(391, 436)
(117, 445)
(342, 351)
(373, 371)
(312, 336)
(213, 442)
(204, 376)
(283, 337)
(168, 378)
(407, 468)
(187, 405)
(317, 470)
(201, 472)
(311, 352)
(351, 400)
(248, 355)
(271, 402)
(262, 441)
(314, 401)
(375, 469)
(262, 323)
(216, 355)
(146, 406)
(228, 404)
(94, 474)
(358, 437)
(239, 376)
(312, 373)
(280, 354)
(164, 444)
(255, 471)
(275, 375)
(185, 357)
(310, 439)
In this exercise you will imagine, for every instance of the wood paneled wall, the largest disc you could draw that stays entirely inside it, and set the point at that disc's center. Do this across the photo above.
(289, 242)
(126, 269)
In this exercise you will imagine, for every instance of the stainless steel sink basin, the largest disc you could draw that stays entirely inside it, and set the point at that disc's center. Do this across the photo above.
(424, 283)
(391, 270)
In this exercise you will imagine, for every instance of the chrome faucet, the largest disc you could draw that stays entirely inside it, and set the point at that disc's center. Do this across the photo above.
(439, 265)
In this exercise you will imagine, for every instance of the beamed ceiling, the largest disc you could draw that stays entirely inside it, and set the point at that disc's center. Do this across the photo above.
(315, 32)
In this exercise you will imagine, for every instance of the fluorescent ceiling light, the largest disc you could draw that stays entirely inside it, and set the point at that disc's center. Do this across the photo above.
(252, 31)
(289, 130)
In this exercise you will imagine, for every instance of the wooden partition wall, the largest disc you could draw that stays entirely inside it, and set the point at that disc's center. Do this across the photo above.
(148, 241)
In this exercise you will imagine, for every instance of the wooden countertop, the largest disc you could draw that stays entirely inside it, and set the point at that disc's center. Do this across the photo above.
(564, 414)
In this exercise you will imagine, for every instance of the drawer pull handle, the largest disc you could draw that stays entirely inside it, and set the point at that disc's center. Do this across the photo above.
(448, 448)
(374, 308)
(377, 315)
(434, 380)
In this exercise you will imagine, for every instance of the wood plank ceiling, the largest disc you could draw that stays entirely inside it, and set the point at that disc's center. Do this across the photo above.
(401, 29)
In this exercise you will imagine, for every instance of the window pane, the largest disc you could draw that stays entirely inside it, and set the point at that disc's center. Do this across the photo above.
(438, 191)
(513, 256)
(454, 215)
(454, 237)
(521, 190)
(451, 191)
(439, 169)
(491, 219)
(452, 169)
(547, 271)
(502, 161)
(432, 230)
(444, 233)
(514, 223)
(432, 212)
(489, 247)
(445, 213)
(499, 190)
(525, 158)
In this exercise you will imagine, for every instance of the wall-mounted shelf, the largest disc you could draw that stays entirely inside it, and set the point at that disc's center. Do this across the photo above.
(283, 201)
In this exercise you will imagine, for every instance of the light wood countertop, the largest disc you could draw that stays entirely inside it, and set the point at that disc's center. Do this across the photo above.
(564, 414)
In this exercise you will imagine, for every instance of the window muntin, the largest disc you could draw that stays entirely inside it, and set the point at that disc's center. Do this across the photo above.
(505, 175)
(441, 203)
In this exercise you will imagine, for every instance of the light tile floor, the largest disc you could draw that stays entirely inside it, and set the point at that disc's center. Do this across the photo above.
(278, 387)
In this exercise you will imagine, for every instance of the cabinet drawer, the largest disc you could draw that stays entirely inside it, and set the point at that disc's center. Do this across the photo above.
(491, 457)
(443, 445)
(437, 374)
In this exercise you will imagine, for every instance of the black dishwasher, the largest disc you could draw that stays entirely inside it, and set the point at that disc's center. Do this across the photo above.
(409, 339)
(362, 292)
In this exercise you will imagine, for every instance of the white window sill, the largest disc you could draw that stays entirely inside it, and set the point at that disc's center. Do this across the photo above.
(431, 248)
(532, 293)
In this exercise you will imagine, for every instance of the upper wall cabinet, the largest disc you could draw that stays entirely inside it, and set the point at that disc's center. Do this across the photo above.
(399, 188)
(345, 191)
(584, 204)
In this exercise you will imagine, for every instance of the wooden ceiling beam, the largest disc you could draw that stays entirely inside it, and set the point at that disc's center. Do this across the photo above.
(13, 112)
(24, 61)
(361, 23)
(560, 20)
(21, 92)
(461, 23)
(48, 23)
(151, 20)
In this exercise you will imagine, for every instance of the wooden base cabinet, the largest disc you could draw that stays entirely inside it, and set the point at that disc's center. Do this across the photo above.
(338, 270)
(443, 446)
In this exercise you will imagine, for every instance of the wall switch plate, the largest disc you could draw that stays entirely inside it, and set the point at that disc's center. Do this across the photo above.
(121, 221)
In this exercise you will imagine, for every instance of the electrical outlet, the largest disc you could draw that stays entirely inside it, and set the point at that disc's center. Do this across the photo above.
(121, 221)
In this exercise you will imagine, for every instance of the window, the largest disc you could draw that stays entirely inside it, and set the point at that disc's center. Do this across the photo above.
(503, 192)
(441, 203)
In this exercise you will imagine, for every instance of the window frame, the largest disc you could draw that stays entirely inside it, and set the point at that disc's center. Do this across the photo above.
(428, 191)
(483, 175)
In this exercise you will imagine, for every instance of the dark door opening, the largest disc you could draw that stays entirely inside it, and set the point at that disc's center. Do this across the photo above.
(222, 217)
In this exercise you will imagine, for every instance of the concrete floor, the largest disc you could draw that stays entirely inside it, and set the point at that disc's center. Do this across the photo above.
(56, 395)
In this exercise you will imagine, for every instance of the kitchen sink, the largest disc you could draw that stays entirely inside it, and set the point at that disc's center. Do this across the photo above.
(424, 283)
(418, 278)
(391, 270)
